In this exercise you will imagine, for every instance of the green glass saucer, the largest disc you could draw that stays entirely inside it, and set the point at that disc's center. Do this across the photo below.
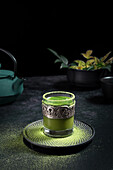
(34, 136)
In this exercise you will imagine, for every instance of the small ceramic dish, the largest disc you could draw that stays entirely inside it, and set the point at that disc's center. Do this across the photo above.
(107, 86)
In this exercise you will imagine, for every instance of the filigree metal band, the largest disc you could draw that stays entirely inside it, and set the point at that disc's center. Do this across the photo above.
(58, 112)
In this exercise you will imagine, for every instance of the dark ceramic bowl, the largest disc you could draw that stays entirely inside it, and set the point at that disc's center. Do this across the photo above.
(107, 86)
(83, 78)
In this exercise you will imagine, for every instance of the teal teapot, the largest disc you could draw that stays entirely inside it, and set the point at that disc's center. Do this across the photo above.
(10, 85)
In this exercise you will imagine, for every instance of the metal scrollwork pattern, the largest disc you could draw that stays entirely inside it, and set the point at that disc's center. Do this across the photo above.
(58, 112)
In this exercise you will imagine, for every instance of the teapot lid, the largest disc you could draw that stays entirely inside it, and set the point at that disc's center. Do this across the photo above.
(6, 74)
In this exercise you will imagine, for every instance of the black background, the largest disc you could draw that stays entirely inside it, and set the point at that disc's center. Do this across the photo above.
(27, 29)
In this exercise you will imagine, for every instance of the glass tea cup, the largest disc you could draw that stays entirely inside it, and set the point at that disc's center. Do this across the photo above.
(58, 108)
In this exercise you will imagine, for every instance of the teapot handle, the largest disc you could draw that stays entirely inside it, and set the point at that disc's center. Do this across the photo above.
(13, 58)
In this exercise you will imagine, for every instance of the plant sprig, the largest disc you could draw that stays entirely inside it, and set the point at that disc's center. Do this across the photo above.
(92, 62)
(61, 59)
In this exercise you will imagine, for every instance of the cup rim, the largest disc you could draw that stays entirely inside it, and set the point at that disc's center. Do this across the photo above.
(103, 80)
(53, 92)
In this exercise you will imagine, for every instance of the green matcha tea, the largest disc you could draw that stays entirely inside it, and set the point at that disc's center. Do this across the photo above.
(58, 101)
(58, 111)
(58, 124)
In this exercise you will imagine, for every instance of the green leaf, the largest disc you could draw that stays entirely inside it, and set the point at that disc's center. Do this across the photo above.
(0, 65)
(105, 57)
(108, 67)
(63, 65)
(57, 61)
(87, 55)
(85, 68)
(109, 61)
(89, 62)
(73, 67)
(80, 62)
(90, 68)
(64, 59)
(72, 64)
(96, 60)
(54, 52)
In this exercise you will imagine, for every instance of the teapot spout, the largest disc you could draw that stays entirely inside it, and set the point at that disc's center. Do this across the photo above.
(18, 84)
(21, 80)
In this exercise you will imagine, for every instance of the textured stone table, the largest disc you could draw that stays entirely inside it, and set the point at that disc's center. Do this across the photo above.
(91, 108)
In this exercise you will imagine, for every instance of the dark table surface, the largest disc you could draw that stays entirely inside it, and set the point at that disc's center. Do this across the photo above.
(91, 108)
